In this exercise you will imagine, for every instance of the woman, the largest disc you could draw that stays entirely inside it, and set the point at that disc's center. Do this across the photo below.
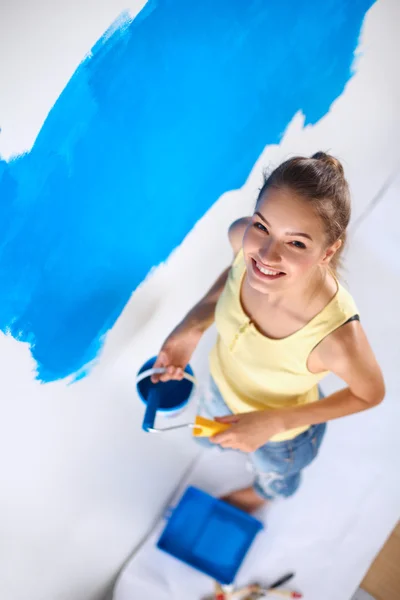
(284, 322)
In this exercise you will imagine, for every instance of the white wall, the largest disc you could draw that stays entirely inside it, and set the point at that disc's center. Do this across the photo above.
(41, 44)
(80, 482)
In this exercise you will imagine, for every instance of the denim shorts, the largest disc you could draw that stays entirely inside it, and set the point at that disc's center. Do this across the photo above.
(276, 466)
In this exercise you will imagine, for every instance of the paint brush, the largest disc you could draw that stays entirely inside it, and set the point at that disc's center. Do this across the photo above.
(283, 593)
(247, 589)
(281, 581)
(258, 589)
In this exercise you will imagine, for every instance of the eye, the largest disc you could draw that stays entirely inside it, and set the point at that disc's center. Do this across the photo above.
(298, 244)
(260, 226)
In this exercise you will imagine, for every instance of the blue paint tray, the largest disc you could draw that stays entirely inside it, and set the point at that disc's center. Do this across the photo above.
(209, 535)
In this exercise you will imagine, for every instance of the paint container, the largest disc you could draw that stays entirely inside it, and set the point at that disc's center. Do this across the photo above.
(168, 398)
(209, 535)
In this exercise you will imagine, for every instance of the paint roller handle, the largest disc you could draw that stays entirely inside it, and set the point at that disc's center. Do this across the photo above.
(151, 410)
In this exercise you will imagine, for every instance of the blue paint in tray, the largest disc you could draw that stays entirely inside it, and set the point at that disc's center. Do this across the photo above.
(209, 535)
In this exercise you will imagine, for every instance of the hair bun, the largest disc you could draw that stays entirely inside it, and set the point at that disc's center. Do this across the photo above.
(330, 161)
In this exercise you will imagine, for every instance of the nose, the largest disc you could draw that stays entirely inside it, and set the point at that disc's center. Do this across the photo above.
(270, 253)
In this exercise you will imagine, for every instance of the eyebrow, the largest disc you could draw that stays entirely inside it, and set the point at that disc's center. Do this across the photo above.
(294, 233)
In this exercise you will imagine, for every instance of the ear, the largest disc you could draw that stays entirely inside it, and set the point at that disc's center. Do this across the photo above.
(330, 252)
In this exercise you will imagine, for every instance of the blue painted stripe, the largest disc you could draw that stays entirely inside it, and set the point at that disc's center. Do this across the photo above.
(171, 111)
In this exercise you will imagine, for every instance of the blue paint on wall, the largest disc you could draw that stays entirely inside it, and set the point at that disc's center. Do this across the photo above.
(170, 111)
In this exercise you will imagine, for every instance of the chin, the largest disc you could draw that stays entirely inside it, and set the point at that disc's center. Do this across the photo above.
(266, 287)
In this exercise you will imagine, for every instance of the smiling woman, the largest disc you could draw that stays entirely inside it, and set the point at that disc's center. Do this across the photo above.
(318, 182)
(284, 321)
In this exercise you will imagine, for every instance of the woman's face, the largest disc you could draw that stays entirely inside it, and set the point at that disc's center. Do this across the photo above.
(284, 244)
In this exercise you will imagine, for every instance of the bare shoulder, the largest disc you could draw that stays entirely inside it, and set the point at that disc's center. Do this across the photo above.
(348, 353)
(343, 341)
(236, 233)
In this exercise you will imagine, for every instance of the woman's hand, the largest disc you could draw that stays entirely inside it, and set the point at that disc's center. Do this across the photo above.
(175, 353)
(248, 431)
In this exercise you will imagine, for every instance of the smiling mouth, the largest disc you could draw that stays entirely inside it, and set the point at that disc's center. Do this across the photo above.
(266, 272)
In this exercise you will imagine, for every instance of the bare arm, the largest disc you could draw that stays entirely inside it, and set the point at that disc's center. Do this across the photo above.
(179, 346)
(201, 316)
(347, 353)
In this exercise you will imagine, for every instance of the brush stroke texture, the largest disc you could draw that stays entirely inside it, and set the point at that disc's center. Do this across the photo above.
(170, 111)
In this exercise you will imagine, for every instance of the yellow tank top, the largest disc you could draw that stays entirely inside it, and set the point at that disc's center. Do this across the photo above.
(254, 372)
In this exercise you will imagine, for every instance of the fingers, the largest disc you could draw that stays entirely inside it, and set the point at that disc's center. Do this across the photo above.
(170, 373)
(221, 438)
(227, 445)
(230, 443)
(179, 373)
(161, 362)
(227, 442)
(227, 419)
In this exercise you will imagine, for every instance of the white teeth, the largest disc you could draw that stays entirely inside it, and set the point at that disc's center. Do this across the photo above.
(266, 271)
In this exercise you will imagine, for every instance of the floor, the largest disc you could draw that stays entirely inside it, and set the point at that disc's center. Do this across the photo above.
(383, 579)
